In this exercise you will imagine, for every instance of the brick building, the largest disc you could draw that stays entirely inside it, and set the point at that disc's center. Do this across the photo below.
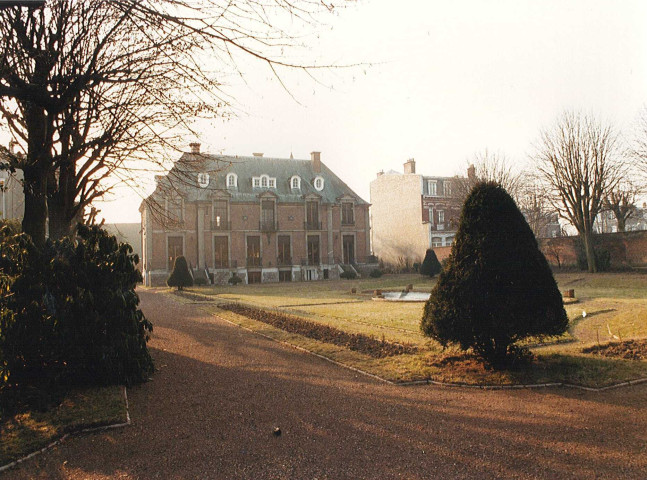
(266, 219)
(411, 212)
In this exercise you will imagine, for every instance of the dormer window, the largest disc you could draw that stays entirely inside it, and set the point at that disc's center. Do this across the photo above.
(264, 181)
(447, 189)
(319, 183)
(295, 182)
(232, 180)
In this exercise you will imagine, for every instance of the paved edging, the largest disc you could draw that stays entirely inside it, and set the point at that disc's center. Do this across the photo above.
(435, 382)
(8, 466)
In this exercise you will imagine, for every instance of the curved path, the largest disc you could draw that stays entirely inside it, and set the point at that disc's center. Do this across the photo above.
(219, 392)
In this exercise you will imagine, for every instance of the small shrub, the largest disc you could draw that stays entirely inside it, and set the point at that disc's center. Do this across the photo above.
(181, 275)
(602, 259)
(416, 267)
(430, 265)
(234, 279)
(375, 273)
(348, 275)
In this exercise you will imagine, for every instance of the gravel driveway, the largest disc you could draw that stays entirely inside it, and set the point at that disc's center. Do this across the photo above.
(219, 392)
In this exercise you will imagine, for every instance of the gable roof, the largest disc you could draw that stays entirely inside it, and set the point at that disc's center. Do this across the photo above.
(183, 179)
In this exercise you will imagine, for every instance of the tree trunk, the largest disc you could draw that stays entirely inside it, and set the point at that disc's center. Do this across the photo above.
(587, 239)
(621, 223)
(62, 208)
(34, 221)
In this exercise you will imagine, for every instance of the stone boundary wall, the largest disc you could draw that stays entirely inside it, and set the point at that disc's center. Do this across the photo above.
(628, 249)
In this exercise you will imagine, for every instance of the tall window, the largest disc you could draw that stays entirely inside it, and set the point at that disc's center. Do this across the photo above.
(175, 249)
(174, 209)
(347, 217)
(264, 180)
(220, 217)
(254, 251)
(313, 250)
(447, 188)
(295, 182)
(441, 216)
(267, 215)
(221, 252)
(257, 182)
(284, 250)
(312, 215)
(432, 186)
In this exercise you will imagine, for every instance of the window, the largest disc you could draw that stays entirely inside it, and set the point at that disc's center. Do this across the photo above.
(319, 183)
(175, 249)
(449, 241)
(348, 249)
(267, 216)
(272, 182)
(441, 216)
(447, 189)
(312, 215)
(232, 180)
(264, 180)
(432, 186)
(347, 217)
(257, 182)
(174, 209)
(284, 256)
(295, 182)
(436, 241)
(313, 249)
(220, 216)
(221, 252)
(254, 251)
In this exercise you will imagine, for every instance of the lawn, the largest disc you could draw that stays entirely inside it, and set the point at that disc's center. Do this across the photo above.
(26, 432)
(609, 307)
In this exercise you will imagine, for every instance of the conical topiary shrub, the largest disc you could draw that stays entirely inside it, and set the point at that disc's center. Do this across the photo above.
(430, 265)
(181, 275)
(497, 287)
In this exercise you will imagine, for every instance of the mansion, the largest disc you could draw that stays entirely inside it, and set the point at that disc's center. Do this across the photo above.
(263, 219)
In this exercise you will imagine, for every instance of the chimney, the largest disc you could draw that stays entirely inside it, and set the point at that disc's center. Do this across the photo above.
(471, 172)
(258, 154)
(195, 147)
(380, 173)
(316, 161)
(410, 166)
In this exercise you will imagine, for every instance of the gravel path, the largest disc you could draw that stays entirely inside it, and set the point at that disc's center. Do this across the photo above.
(211, 409)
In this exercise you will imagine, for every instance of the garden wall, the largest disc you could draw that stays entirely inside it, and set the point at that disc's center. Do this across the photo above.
(627, 249)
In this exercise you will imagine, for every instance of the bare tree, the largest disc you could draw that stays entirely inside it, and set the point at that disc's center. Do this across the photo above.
(536, 207)
(621, 201)
(578, 161)
(90, 88)
(488, 166)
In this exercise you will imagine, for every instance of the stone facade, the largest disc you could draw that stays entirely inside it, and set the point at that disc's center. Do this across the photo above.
(411, 213)
(266, 219)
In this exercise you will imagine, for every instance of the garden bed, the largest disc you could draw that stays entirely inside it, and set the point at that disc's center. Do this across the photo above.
(630, 349)
(324, 333)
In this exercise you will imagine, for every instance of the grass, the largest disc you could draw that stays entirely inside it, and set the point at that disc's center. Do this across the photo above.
(27, 432)
(615, 306)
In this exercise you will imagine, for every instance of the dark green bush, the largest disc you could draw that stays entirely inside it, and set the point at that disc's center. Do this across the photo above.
(416, 267)
(497, 287)
(430, 265)
(234, 279)
(602, 259)
(375, 273)
(348, 275)
(181, 275)
(69, 313)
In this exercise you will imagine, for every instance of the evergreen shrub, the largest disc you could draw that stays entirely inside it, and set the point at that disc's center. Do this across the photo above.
(181, 275)
(234, 279)
(430, 265)
(375, 273)
(69, 314)
(497, 287)
(348, 275)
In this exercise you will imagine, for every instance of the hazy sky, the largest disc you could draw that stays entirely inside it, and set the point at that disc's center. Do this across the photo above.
(446, 79)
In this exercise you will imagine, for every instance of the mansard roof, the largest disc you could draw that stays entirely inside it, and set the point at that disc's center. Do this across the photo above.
(183, 179)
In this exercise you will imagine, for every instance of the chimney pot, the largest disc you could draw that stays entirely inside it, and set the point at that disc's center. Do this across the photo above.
(410, 166)
(195, 147)
(316, 161)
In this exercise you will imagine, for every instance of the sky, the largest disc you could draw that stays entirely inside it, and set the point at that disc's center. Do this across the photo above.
(437, 81)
